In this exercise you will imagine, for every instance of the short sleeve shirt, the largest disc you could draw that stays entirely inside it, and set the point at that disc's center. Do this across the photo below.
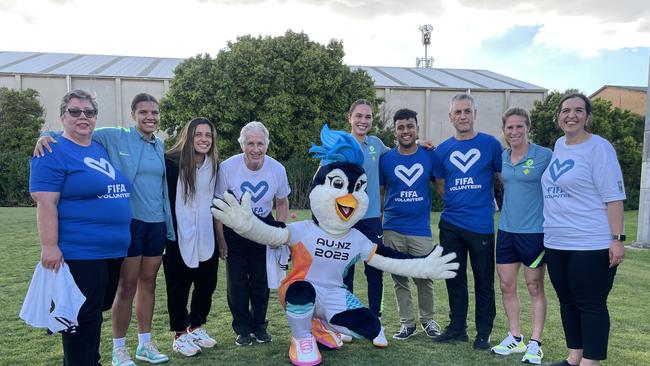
(468, 167)
(407, 182)
(94, 214)
(522, 208)
(577, 185)
(372, 148)
(265, 184)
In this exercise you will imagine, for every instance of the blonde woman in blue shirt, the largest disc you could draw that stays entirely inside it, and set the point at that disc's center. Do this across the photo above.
(520, 238)
(139, 154)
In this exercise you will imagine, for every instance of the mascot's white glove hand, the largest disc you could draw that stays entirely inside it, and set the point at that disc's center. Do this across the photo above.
(240, 218)
(435, 266)
(231, 213)
(440, 267)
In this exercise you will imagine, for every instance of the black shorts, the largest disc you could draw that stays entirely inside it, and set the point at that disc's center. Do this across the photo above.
(147, 238)
(519, 247)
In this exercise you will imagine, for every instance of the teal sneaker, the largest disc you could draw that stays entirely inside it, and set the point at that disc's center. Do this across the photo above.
(121, 357)
(509, 345)
(148, 352)
(534, 354)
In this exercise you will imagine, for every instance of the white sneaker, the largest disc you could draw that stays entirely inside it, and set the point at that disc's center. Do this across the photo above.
(346, 338)
(304, 351)
(380, 340)
(185, 345)
(510, 345)
(533, 354)
(121, 357)
(202, 338)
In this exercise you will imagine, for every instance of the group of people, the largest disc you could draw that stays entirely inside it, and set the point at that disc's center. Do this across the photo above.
(113, 205)
(562, 208)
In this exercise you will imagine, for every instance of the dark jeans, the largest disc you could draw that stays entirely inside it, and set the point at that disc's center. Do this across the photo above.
(481, 253)
(371, 228)
(248, 291)
(97, 280)
(179, 278)
(582, 281)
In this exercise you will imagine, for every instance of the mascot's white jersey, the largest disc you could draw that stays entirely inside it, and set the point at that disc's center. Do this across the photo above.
(322, 260)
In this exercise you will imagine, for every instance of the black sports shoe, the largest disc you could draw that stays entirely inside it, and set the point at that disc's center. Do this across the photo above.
(482, 342)
(244, 340)
(404, 333)
(450, 335)
(262, 336)
(431, 328)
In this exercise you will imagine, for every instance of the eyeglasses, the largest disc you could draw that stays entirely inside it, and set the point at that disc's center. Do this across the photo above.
(89, 113)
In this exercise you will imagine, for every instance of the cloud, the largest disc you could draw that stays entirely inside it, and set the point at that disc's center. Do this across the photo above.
(603, 10)
(364, 9)
(28, 10)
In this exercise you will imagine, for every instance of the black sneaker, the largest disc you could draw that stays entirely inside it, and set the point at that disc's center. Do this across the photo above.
(482, 342)
(244, 340)
(431, 328)
(404, 333)
(262, 336)
(450, 335)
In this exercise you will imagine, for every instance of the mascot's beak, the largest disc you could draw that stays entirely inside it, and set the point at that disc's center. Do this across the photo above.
(345, 206)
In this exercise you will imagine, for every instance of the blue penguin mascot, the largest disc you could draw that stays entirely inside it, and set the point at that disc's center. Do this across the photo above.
(318, 306)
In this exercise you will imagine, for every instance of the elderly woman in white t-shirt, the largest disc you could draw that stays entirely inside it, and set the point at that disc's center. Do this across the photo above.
(583, 230)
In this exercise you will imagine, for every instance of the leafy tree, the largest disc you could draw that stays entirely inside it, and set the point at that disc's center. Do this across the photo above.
(623, 129)
(21, 119)
(291, 84)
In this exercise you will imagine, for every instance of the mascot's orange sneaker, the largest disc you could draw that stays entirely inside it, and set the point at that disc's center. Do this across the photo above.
(324, 336)
(304, 351)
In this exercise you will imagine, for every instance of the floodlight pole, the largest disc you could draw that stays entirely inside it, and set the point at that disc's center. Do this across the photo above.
(426, 41)
(643, 227)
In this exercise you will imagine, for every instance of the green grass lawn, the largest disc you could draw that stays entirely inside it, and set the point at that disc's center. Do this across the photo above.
(629, 305)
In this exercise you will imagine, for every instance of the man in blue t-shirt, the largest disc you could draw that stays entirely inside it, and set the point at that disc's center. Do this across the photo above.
(465, 170)
(405, 175)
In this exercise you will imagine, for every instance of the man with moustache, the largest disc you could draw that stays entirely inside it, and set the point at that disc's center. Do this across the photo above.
(405, 175)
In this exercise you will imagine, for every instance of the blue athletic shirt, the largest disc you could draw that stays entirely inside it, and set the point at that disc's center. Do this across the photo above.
(468, 167)
(372, 148)
(407, 200)
(522, 210)
(94, 214)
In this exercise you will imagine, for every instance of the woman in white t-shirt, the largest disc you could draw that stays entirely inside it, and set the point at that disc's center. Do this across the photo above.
(583, 230)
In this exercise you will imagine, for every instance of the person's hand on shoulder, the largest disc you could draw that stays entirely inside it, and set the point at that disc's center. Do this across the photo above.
(42, 144)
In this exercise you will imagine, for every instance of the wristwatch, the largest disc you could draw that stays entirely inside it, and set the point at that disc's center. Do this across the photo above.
(619, 237)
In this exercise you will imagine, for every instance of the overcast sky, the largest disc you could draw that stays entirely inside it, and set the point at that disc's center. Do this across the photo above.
(557, 44)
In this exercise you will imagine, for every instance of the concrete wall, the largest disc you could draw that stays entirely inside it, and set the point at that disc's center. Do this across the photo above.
(114, 98)
(632, 100)
(432, 106)
(113, 95)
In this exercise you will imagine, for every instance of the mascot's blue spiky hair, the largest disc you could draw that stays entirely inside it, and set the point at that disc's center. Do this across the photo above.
(337, 147)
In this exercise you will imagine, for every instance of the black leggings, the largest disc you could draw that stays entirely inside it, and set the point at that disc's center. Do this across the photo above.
(582, 281)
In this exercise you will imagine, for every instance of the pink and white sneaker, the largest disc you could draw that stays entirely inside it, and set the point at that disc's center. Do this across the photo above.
(304, 351)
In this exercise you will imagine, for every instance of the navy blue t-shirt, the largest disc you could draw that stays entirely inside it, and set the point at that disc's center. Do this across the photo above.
(468, 167)
(407, 201)
(94, 214)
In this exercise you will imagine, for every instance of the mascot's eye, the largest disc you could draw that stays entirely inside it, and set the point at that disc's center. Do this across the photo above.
(337, 182)
(359, 185)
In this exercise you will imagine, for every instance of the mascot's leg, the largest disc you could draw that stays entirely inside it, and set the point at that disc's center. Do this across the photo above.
(300, 299)
(363, 322)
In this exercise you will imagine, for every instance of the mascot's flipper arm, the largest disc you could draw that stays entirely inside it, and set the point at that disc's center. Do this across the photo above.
(434, 266)
(241, 219)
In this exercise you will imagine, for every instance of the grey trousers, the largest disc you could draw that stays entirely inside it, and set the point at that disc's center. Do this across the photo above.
(418, 246)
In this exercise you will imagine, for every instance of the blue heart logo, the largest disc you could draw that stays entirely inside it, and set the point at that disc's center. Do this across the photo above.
(257, 191)
(558, 169)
